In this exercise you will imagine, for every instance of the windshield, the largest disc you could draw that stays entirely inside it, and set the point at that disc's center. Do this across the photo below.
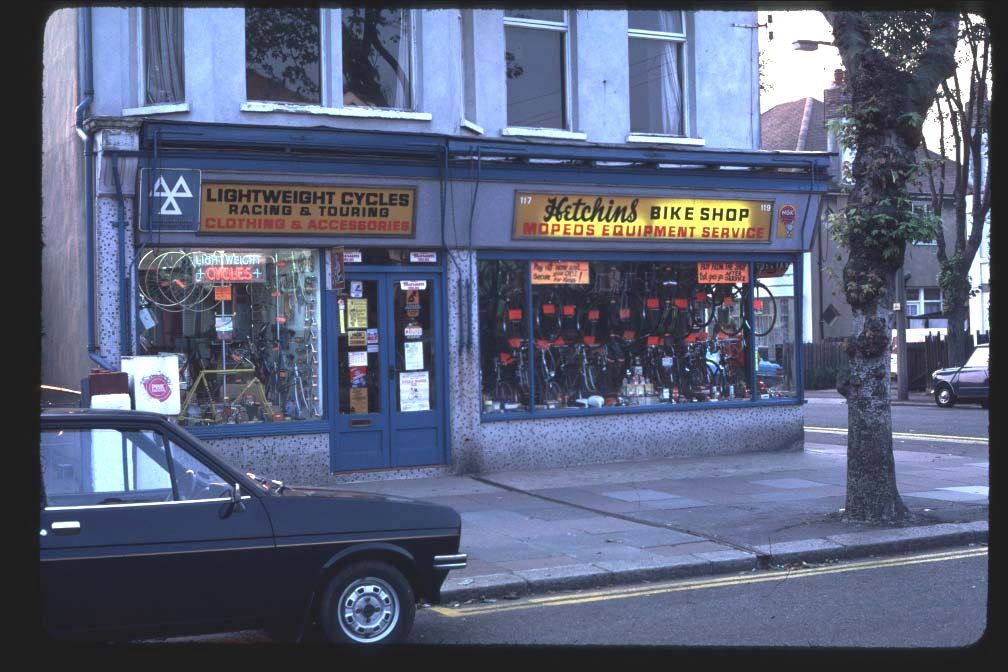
(979, 357)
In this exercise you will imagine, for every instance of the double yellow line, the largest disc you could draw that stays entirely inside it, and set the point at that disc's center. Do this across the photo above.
(909, 435)
(701, 584)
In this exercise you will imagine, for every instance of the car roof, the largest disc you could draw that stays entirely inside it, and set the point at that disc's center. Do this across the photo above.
(107, 413)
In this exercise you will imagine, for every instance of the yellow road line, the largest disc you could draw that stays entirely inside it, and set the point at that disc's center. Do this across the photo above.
(621, 593)
(907, 435)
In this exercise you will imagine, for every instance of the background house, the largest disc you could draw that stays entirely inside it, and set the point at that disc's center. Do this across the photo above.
(803, 125)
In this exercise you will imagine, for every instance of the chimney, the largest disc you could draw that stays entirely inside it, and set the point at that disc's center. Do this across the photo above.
(835, 96)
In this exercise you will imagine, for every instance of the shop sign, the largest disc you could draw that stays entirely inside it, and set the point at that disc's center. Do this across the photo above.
(772, 269)
(559, 272)
(353, 257)
(356, 338)
(722, 272)
(622, 218)
(423, 257)
(307, 209)
(785, 221)
(222, 293)
(223, 266)
(224, 326)
(413, 332)
(412, 284)
(372, 337)
(154, 382)
(357, 314)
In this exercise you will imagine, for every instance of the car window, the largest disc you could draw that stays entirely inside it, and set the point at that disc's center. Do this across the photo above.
(194, 478)
(86, 467)
(979, 357)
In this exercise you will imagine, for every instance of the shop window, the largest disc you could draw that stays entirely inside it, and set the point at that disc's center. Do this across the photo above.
(503, 315)
(613, 334)
(657, 41)
(163, 56)
(536, 67)
(377, 48)
(283, 55)
(245, 325)
(774, 309)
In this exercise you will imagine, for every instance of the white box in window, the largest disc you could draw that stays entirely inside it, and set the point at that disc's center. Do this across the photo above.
(154, 383)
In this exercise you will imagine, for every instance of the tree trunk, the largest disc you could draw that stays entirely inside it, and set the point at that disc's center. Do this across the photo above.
(872, 495)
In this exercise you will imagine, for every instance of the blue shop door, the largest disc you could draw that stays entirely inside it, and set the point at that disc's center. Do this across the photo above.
(389, 373)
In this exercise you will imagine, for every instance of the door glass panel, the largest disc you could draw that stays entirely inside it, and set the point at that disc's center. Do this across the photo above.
(359, 379)
(414, 341)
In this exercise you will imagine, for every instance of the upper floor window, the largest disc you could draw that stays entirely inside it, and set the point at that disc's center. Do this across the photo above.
(536, 58)
(163, 56)
(292, 56)
(922, 209)
(376, 58)
(283, 55)
(657, 40)
(925, 301)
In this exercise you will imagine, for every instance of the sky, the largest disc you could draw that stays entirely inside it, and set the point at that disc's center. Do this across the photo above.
(792, 74)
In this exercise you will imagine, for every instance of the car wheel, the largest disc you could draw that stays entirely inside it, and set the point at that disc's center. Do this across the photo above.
(367, 603)
(944, 397)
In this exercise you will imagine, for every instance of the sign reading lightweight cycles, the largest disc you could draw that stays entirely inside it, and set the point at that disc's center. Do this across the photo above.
(579, 216)
(307, 209)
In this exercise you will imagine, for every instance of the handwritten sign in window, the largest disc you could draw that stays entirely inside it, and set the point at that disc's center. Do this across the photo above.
(559, 272)
(722, 272)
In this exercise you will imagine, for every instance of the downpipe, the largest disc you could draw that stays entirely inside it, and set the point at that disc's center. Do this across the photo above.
(86, 88)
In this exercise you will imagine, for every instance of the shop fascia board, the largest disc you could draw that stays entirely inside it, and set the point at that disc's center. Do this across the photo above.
(489, 171)
(180, 134)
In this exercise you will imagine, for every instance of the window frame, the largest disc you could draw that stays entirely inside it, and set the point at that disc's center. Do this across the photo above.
(530, 413)
(566, 68)
(682, 40)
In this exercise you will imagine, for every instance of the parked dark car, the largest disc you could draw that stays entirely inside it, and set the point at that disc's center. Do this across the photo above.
(969, 382)
(145, 531)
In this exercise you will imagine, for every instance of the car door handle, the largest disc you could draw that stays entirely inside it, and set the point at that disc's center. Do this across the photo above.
(66, 527)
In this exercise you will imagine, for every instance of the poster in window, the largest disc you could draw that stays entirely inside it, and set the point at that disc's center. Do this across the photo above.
(414, 391)
(224, 325)
(357, 314)
(413, 355)
(356, 338)
(359, 399)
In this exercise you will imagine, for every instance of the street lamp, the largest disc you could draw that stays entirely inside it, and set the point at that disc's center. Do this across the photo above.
(810, 45)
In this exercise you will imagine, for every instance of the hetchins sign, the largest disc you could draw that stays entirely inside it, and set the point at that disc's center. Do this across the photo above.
(575, 216)
(307, 210)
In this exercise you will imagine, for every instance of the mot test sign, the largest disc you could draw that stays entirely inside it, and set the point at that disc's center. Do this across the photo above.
(588, 217)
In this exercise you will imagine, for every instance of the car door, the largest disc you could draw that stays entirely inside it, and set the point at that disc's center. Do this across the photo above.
(129, 540)
(974, 377)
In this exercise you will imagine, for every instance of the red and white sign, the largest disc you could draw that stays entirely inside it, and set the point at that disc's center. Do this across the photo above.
(154, 383)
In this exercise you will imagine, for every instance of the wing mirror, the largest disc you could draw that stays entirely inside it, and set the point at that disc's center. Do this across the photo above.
(236, 504)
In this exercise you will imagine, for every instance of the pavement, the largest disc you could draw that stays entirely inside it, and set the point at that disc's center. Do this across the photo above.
(834, 397)
(537, 531)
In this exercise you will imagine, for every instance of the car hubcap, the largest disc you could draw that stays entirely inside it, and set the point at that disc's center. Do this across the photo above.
(369, 610)
(944, 396)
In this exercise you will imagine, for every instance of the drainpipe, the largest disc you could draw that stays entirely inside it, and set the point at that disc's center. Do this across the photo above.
(85, 81)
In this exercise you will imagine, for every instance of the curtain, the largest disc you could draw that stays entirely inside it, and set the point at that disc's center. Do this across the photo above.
(671, 116)
(400, 99)
(164, 80)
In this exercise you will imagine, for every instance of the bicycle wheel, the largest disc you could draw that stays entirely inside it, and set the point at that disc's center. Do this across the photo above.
(701, 306)
(764, 310)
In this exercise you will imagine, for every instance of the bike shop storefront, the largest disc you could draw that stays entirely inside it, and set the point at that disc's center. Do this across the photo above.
(629, 322)
(306, 314)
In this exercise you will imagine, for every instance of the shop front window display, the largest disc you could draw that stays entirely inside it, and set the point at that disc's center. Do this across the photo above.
(604, 334)
(245, 326)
